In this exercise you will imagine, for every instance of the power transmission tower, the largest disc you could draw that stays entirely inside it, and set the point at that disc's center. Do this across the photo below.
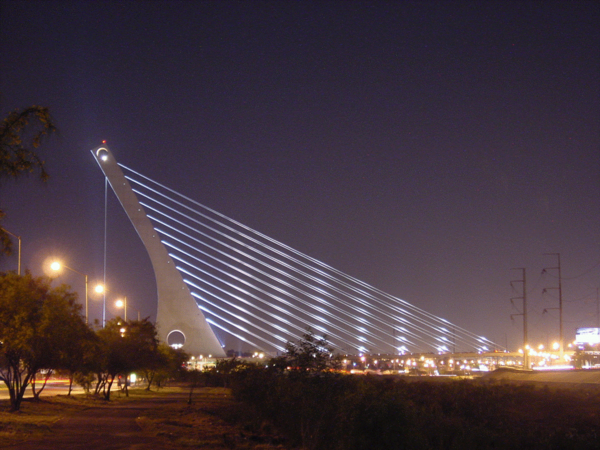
(523, 297)
(598, 307)
(560, 303)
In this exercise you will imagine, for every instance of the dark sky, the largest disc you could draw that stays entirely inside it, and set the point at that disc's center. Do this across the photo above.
(425, 148)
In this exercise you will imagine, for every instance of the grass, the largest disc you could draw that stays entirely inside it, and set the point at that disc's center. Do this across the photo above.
(440, 410)
(36, 418)
(212, 421)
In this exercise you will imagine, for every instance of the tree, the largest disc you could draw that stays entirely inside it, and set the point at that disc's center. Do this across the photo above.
(33, 322)
(60, 330)
(21, 133)
(142, 340)
(166, 363)
(225, 371)
(310, 354)
(126, 346)
(77, 353)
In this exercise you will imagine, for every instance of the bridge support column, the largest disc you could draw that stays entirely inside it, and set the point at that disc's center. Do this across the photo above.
(178, 317)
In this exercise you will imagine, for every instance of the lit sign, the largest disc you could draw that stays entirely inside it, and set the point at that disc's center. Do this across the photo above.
(587, 336)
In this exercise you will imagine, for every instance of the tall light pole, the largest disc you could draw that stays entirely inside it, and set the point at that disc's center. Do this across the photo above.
(123, 304)
(100, 289)
(56, 266)
(19, 253)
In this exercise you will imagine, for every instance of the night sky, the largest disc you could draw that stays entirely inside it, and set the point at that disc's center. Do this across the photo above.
(425, 148)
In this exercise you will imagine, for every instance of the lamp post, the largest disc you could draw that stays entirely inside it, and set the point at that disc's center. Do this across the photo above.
(100, 289)
(56, 266)
(19, 252)
(123, 304)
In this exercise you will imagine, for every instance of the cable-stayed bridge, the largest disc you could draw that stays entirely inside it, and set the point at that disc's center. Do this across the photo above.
(217, 277)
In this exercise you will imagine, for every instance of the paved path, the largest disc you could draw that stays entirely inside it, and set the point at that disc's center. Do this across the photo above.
(109, 427)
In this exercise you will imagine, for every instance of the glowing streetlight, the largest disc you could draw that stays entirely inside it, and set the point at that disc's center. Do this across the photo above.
(100, 289)
(19, 253)
(119, 303)
(57, 266)
(123, 304)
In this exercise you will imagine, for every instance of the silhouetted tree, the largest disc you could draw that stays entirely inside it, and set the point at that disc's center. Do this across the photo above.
(78, 352)
(33, 318)
(125, 347)
(310, 354)
(21, 132)
(166, 363)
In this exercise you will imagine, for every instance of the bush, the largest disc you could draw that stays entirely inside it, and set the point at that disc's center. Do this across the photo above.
(336, 411)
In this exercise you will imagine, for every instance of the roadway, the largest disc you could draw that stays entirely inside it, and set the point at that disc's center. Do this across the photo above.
(53, 387)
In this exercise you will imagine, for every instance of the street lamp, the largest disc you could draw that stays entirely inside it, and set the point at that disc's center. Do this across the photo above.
(19, 253)
(100, 290)
(123, 304)
(56, 266)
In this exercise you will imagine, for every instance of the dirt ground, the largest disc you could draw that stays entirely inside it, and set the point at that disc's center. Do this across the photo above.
(163, 420)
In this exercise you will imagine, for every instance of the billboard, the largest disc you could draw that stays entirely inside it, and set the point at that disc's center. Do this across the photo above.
(590, 336)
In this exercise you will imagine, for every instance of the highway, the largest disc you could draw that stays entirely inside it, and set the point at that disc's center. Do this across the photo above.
(53, 387)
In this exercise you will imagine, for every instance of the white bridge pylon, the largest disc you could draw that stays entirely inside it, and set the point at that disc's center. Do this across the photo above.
(178, 315)
(219, 278)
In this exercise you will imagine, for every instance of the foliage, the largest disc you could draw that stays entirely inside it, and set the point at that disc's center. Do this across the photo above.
(339, 411)
(85, 379)
(225, 369)
(165, 364)
(125, 347)
(310, 354)
(21, 132)
(34, 320)
(78, 353)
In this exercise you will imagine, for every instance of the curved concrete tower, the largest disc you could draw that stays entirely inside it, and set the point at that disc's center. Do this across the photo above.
(178, 313)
